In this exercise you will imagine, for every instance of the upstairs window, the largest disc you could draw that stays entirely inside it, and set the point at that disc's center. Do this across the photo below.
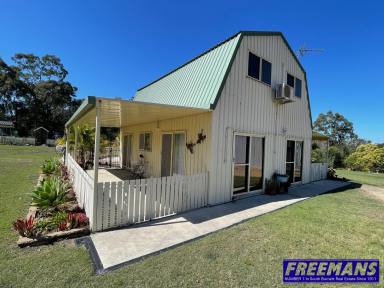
(266, 71)
(290, 80)
(254, 66)
(298, 87)
(295, 83)
(259, 69)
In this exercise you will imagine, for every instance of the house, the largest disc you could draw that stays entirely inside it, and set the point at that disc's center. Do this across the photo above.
(7, 128)
(237, 114)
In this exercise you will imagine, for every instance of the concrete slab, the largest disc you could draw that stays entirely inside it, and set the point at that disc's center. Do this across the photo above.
(122, 246)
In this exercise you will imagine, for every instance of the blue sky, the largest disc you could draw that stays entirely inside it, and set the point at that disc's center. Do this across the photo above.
(111, 48)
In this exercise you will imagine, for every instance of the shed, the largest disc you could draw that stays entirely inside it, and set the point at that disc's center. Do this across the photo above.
(41, 135)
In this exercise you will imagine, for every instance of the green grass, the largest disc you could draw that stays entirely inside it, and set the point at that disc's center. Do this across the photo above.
(362, 177)
(341, 225)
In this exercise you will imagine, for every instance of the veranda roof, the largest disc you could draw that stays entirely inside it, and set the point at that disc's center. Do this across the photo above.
(119, 113)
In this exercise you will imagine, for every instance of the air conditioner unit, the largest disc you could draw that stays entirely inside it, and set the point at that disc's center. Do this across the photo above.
(284, 94)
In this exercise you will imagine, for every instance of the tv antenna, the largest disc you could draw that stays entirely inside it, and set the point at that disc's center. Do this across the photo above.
(303, 50)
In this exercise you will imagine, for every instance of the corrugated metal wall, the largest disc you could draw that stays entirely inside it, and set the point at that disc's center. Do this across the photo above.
(246, 106)
(194, 163)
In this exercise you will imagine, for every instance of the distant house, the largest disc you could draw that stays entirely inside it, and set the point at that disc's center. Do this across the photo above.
(7, 128)
(236, 114)
(41, 135)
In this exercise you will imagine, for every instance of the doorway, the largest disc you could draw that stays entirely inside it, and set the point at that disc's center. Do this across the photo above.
(294, 161)
(173, 154)
(248, 164)
(127, 150)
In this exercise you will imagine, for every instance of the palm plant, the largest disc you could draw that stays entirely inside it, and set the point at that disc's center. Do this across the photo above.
(51, 166)
(50, 193)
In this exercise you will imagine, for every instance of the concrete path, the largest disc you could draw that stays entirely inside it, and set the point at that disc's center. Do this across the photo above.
(112, 249)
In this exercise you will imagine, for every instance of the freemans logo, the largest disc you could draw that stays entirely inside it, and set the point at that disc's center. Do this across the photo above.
(331, 270)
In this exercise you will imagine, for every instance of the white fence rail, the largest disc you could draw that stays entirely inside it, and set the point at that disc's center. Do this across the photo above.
(83, 187)
(135, 201)
(318, 171)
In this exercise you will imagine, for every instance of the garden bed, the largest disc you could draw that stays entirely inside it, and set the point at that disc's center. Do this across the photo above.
(54, 213)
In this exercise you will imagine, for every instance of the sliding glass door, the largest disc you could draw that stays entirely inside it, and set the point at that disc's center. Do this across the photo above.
(248, 164)
(173, 154)
(294, 160)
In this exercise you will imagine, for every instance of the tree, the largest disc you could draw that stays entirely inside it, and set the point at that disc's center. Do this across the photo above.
(34, 93)
(334, 125)
(367, 157)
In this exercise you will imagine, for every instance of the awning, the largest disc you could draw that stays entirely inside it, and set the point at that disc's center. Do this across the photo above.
(119, 113)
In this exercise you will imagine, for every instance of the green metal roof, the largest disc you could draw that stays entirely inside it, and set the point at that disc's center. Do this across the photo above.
(199, 82)
(196, 83)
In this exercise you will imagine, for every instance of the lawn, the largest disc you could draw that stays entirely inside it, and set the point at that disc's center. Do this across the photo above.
(347, 224)
(362, 177)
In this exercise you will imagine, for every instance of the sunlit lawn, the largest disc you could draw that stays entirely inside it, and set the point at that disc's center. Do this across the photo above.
(376, 179)
(340, 225)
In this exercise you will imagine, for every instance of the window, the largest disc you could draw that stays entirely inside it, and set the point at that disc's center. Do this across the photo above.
(254, 66)
(290, 80)
(145, 141)
(148, 141)
(294, 160)
(294, 83)
(298, 87)
(266, 72)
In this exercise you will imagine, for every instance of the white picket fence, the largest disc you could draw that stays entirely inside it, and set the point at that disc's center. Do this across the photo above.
(318, 171)
(83, 187)
(128, 202)
(114, 204)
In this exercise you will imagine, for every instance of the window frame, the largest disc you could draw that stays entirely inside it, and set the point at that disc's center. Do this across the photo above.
(294, 80)
(260, 68)
(144, 148)
(296, 86)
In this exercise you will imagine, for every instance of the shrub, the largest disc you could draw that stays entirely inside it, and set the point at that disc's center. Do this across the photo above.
(51, 166)
(367, 157)
(73, 220)
(25, 227)
(50, 193)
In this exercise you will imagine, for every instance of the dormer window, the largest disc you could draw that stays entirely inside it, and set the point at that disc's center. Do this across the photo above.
(259, 69)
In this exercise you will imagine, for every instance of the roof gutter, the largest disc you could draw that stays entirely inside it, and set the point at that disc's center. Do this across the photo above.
(87, 105)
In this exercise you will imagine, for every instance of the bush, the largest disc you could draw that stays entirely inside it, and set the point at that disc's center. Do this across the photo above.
(50, 167)
(25, 227)
(367, 157)
(73, 220)
(50, 193)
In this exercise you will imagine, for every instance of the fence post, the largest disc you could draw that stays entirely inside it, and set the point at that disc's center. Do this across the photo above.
(96, 165)
(66, 147)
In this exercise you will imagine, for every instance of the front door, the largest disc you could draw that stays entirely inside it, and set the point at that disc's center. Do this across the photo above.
(248, 164)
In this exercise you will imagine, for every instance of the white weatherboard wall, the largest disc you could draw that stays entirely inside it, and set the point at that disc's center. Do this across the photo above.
(246, 105)
(195, 163)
